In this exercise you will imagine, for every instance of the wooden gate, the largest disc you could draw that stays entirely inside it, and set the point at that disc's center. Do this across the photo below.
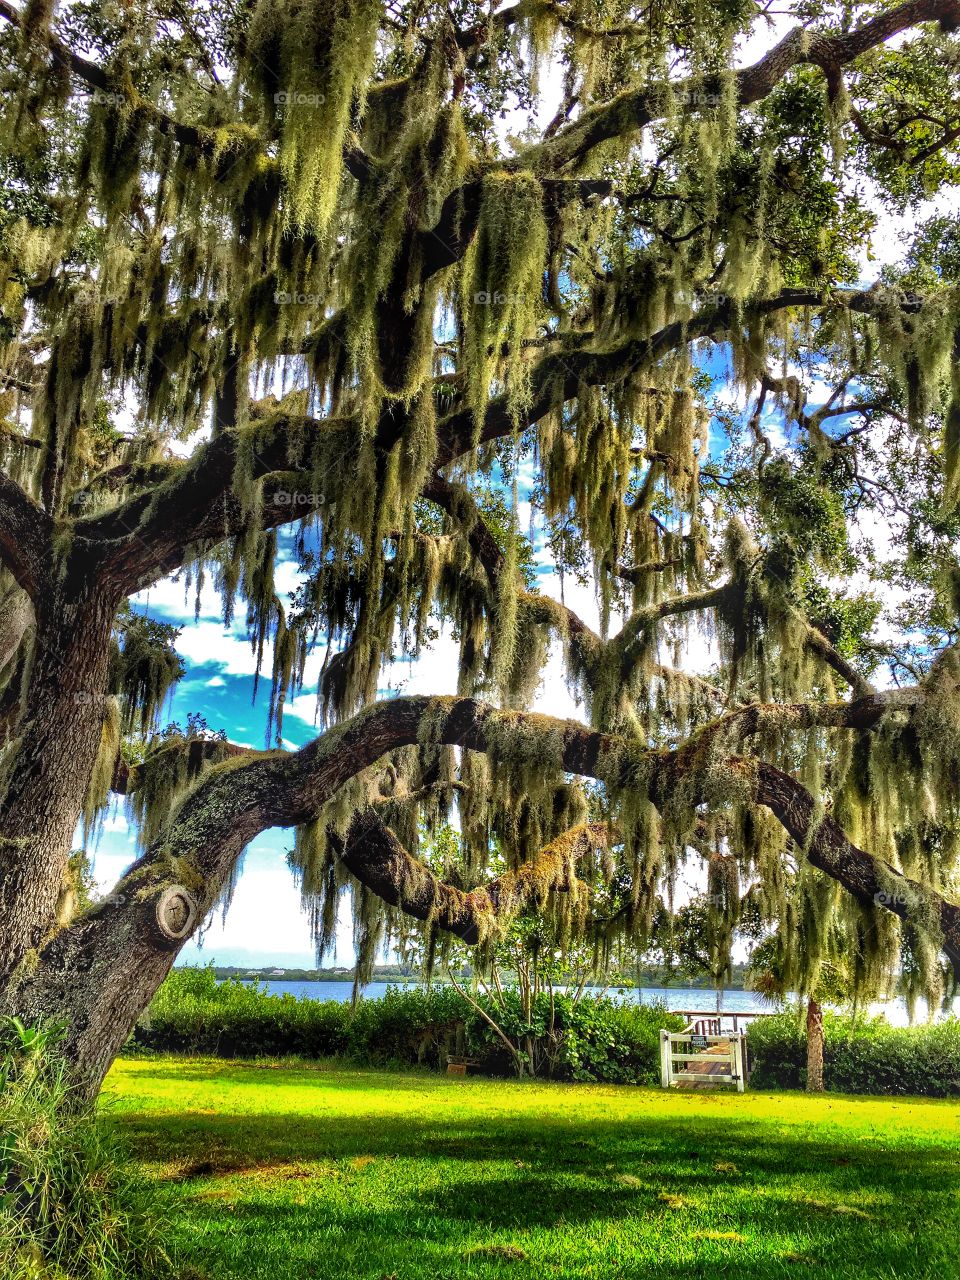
(702, 1054)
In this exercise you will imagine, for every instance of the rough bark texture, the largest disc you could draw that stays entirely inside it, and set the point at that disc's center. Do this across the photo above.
(814, 1047)
(16, 617)
(50, 760)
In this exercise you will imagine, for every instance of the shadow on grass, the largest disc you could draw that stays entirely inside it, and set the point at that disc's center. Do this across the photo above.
(862, 1203)
(431, 1235)
(689, 1146)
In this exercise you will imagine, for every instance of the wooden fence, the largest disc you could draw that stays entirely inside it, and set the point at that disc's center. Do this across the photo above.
(703, 1054)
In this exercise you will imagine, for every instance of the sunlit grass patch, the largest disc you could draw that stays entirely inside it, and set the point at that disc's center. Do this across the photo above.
(286, 1175)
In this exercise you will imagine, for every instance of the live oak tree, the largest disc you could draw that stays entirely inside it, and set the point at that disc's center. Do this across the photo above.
(276, 275)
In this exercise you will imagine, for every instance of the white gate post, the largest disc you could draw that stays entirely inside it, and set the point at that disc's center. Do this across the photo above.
(737, 1062)
(665, 1063)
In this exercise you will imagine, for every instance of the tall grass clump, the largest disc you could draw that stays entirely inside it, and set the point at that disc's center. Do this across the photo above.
(69, 1207)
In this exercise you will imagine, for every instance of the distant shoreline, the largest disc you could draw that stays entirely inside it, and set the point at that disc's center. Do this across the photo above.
(395, 974)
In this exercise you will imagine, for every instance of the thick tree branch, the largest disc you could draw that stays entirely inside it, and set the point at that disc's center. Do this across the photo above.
(636, 108)
(871, 881)
(25, 533)
(818, 643)
(235, 801)
(149, 534)
(559, 376)
(373, 854)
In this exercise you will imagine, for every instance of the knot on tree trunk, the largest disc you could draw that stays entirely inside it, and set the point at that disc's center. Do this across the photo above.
(176, 913)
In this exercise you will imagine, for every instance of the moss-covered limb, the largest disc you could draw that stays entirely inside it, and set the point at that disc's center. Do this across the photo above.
(242, 798)
(638, 573)
(123, 477)
(149, 534)
(869, 880)
(670, 607)
(26, 533)
(561, 376)
(713, 597)
(373, 854)
(778, 718)
(635, 108)
(461, 506)
(198, 503)
(818, 644)
(234, 801)
(128, 778)
(445, 243)
(206, 141)
(91, 74)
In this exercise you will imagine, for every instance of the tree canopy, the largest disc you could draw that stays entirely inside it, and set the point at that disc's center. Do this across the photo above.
(380, 274)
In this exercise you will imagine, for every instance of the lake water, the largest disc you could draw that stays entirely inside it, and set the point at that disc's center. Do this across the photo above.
(673, 997)
(687, 999)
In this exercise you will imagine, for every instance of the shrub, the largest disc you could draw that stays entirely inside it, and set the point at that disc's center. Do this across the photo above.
(409, 1026)
(193, 1013)
(608, 1040)
(594, 1039)
(861, 1055)
(69, 1208)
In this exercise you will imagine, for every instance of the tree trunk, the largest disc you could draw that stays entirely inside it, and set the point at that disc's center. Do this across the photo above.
(814, 1047)
(48, 767)
(96, 977)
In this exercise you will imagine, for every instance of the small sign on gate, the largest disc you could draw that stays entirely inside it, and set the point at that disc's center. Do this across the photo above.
(698, 1042)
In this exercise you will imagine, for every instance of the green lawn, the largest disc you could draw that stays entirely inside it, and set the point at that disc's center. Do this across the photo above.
(308, 1174)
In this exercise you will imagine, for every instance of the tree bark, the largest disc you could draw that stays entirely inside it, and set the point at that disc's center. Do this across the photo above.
(49, 761)
(814, 1047)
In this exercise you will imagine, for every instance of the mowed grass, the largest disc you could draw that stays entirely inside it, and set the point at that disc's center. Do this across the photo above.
(300, 1173)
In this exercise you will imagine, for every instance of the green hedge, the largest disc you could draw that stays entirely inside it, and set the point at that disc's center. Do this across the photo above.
(597, 1039)
(860, 1056)
(193, 1013)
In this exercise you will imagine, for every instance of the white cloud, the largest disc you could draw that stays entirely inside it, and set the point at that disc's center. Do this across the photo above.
(208, 642)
